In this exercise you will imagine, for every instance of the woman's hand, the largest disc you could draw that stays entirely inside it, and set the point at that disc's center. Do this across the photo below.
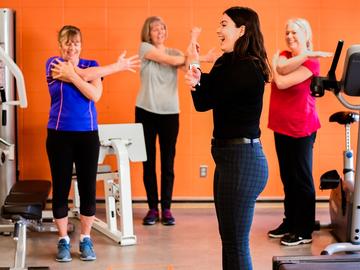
(275, 61)
(318, 54)
(192, 77)
(67, 72)
(284, 65)
(129, 63)
(194, 34)
(210, 57)
(192, 51)
(63, 71)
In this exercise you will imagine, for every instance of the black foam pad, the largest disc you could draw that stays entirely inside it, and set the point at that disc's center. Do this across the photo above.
(26, 199)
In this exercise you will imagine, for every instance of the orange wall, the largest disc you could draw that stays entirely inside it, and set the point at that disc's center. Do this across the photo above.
(111, 26)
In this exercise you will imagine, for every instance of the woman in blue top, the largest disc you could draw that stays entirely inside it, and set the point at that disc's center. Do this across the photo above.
(75, 85)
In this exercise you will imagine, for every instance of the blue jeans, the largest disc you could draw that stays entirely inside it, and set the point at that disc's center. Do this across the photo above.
(240, 176)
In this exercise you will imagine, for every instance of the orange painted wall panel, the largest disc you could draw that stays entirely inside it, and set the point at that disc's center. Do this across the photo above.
(111, 26)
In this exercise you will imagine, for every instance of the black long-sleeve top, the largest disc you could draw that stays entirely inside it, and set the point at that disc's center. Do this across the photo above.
(234, 90)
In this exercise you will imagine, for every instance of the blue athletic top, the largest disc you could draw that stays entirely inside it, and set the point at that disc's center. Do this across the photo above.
(70, 110)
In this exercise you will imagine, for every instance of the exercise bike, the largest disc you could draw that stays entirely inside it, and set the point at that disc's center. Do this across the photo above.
(345, 196)
(342, 189)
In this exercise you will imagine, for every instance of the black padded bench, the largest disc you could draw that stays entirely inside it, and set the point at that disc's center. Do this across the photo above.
(24, 204)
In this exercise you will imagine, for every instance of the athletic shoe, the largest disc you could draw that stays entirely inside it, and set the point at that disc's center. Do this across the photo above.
(87, 252)
(63, 254)
(151, 217)
(279, 231)
(167, 218)
(294, 240)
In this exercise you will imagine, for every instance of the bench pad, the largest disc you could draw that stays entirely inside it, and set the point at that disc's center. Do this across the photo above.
(26, 199)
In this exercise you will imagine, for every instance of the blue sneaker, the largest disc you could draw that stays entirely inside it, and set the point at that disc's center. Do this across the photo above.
(87, 252)
(63, 254)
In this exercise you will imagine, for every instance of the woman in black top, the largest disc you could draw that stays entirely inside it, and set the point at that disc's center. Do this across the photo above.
(234, 91)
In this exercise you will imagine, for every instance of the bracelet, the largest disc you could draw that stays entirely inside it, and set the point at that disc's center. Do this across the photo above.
(197, 84)
(195, 64)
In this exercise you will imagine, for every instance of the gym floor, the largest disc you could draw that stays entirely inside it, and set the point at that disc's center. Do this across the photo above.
(192, 244)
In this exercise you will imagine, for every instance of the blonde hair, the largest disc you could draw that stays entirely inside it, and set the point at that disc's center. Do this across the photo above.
(67, 32)
(305, 26)
(145, 31)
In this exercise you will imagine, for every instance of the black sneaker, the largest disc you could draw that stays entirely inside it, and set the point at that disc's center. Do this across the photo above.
(151, 217)
(167, 218)
(286, 237)
(294, 240)
(279, 231)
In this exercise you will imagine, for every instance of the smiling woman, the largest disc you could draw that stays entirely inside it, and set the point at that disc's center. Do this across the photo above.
(157, 108)
(234, 90)
(74, 86)
(294, 120)
(72, 137)
(227, 34)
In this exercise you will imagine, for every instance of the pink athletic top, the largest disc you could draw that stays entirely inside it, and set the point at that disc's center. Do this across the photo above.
(292, 111)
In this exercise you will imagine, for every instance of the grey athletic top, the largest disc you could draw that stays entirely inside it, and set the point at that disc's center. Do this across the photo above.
(159, 88)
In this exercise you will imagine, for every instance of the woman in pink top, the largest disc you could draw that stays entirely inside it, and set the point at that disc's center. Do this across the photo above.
(294, 120)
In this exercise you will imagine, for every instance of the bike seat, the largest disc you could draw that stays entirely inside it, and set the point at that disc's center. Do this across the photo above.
(344, 118)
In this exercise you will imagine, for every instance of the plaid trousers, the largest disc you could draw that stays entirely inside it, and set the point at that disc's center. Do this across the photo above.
(240, 176)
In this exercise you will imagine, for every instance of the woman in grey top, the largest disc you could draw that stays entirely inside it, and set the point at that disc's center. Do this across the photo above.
(157, 108)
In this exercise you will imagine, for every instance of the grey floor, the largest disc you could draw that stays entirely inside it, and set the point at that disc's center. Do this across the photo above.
(192, 244)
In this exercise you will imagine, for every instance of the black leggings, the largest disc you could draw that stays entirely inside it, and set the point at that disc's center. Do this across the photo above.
(166, 126)
(295, 157)
(65, 148)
